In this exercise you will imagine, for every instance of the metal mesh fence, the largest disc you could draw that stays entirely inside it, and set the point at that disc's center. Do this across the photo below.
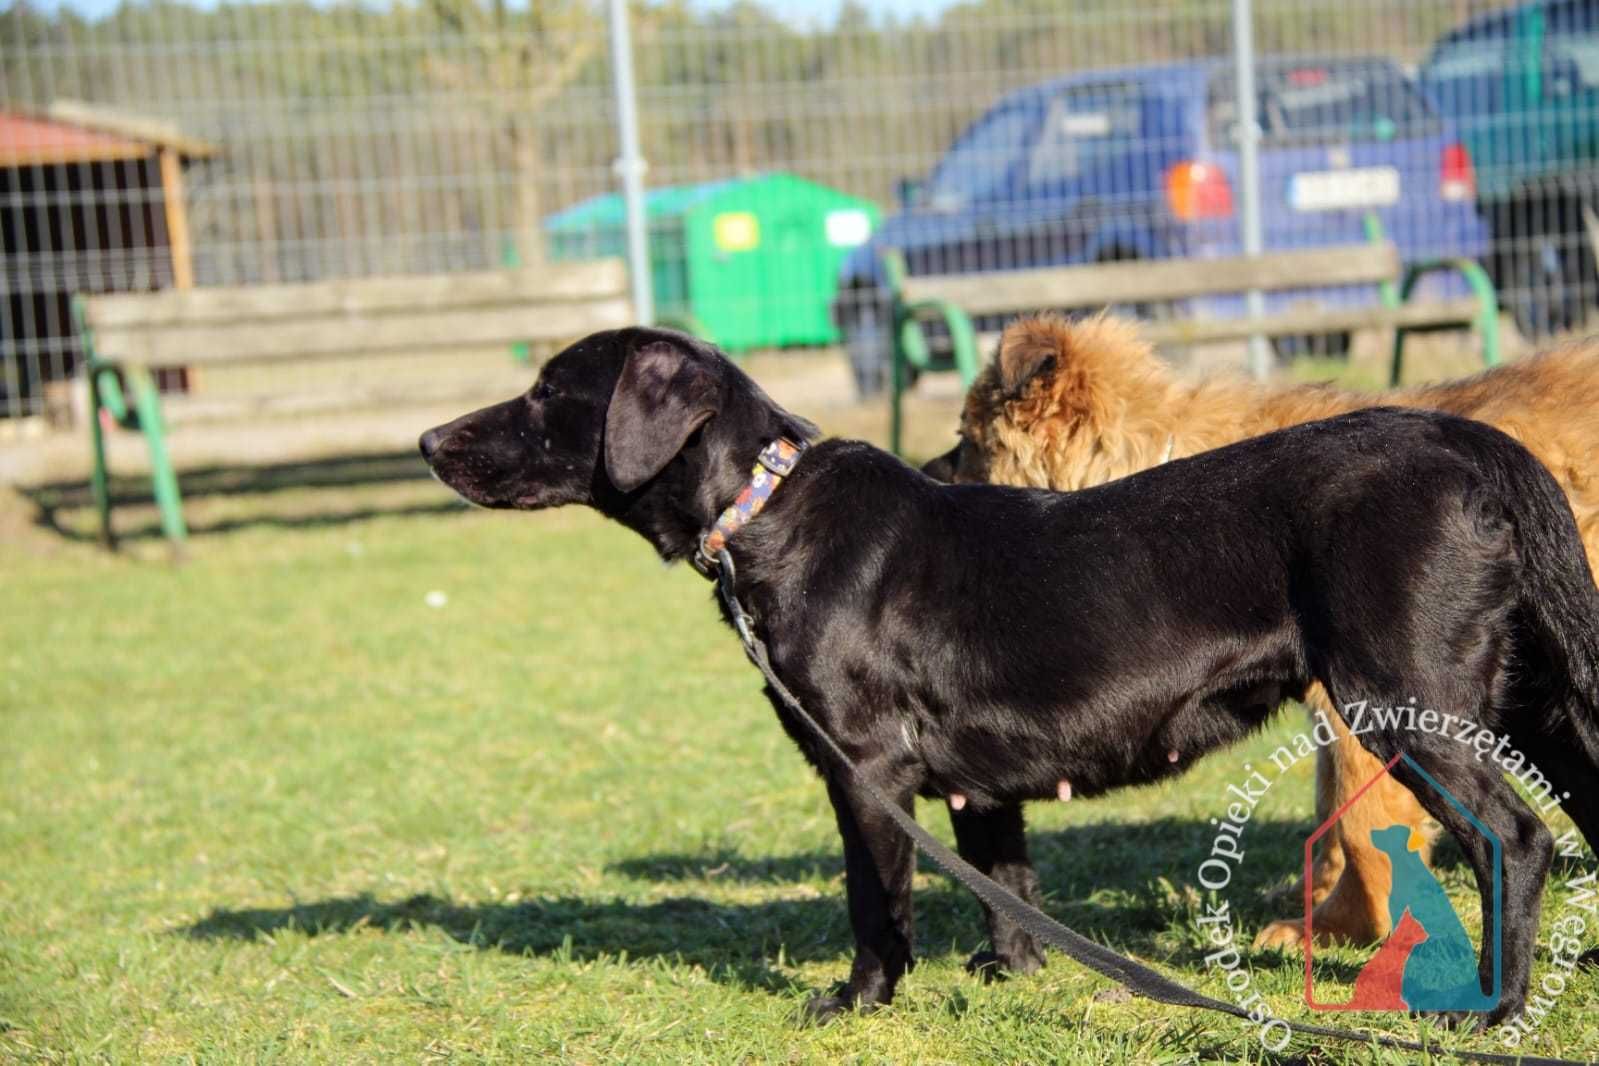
(787, 144)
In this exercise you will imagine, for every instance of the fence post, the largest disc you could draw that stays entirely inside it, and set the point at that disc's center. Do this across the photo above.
(630, 164)
(1249, 170)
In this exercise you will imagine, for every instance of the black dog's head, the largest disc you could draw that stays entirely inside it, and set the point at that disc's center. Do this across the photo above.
(651, 427)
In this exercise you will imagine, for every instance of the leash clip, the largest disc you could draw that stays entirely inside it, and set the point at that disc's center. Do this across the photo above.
(724, 581)
(702, 559)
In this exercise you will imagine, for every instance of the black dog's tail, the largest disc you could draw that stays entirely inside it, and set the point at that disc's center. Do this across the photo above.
(1556, 594)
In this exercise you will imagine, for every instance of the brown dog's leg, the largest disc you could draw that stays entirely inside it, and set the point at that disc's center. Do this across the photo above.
(1329, 866)
(1351, 877)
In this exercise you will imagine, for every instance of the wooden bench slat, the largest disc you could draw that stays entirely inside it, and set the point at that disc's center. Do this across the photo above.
(309, 336)
(1311, 321)
(191, 409)
(1157, 279)
(550, 283)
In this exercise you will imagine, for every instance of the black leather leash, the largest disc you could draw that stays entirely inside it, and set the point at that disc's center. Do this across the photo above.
(1134, 976)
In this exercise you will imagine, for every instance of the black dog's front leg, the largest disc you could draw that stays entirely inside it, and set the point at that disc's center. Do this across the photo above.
(995, 842)
(879, 861)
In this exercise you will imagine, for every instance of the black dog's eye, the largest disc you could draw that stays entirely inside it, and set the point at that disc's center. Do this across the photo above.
(543, 391)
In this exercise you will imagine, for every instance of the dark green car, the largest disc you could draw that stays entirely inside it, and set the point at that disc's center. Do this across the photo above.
(1522, 86)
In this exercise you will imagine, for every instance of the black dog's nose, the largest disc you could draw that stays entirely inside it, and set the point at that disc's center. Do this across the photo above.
(430, 443)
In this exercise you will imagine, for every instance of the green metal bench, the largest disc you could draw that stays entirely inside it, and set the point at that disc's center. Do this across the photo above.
(954, 300)
(128, 336)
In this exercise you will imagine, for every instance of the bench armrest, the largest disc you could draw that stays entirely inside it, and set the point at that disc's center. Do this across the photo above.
(1486, 320)
(104, 378)
(1482, 287)
(910, 342)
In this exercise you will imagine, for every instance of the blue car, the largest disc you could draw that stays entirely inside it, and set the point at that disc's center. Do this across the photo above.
(1142, 163)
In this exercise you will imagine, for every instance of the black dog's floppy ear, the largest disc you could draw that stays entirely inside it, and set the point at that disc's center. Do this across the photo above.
(662, 397)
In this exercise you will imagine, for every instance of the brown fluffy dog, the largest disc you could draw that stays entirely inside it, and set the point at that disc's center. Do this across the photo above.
(1066, 405)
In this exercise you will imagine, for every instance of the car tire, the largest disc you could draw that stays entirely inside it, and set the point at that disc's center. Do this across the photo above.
(1544, 264)
(865, 327)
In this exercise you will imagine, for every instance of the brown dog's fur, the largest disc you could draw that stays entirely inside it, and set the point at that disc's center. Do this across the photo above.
(1070, 404)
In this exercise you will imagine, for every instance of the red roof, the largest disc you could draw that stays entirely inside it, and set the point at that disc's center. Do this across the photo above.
(26, 141)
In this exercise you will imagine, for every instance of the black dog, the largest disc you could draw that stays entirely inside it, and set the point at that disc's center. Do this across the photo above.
(992, 645)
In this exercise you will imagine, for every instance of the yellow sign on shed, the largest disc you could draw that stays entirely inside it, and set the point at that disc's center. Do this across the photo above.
(736, 231)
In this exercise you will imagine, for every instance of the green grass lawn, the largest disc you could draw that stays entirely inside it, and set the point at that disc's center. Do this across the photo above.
(272, 805)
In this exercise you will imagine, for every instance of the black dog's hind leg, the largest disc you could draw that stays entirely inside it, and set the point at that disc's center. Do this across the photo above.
(879, 861)
(1581, 806)
(1560, 755)
(995, 841)
(1527, 848)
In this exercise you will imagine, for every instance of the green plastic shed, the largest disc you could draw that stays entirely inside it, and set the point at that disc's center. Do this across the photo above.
(752, 262)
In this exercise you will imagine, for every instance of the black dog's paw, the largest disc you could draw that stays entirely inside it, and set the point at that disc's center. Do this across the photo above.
(986, 967)
(993, 966)
(1024, 957)
(824, 1007)
(1589, 959)
(1462, 1021)
(1509, 1006)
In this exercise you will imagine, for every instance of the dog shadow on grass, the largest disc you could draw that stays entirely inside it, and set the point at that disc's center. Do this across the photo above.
(1119, 884)
(1128, 885)
(733, 943)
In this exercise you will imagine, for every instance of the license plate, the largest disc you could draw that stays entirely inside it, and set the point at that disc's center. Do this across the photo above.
(1330, 190)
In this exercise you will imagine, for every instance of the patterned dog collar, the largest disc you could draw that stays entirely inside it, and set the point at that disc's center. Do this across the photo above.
(775, 463)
